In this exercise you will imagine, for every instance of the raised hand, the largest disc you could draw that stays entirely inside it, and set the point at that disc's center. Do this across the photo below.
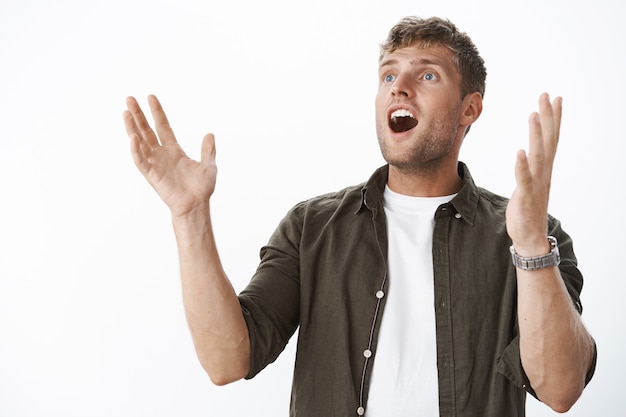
(526, 215)
(183, 183)
(212, 308)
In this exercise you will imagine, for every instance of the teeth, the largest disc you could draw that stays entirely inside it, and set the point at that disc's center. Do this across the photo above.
(402, 113)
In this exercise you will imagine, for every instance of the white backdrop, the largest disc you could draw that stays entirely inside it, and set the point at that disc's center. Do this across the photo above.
(91, 318)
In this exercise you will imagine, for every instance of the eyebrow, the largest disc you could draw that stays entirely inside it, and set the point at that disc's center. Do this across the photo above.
(416, 61)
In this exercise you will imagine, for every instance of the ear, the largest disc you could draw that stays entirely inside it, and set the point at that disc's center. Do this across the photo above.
(471, 108)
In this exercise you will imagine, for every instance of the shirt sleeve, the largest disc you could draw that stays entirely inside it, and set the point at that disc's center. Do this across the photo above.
(270, 302)
(509, 363)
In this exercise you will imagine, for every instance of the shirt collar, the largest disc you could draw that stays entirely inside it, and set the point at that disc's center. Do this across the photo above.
(465, 203)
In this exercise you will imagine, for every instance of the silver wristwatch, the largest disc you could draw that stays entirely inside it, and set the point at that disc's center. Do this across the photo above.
(537, 262)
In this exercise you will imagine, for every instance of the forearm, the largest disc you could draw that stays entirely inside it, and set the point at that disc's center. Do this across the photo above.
(212, 309)
(556, 350)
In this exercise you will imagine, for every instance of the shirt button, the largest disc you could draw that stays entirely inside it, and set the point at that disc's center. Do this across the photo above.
(367, 353)
(458, 215)
(380, 294)
(360, 411)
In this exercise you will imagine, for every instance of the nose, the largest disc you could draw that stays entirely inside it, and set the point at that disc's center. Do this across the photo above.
(402, 86)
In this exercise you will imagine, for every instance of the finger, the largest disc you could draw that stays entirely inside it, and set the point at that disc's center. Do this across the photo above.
(140, 125)
(139, 155)
(523, 174)
(550, 115)
(536, 151)
(208, 152)
(163, 128)
(557, 110)
(135, 135)
(129, 123)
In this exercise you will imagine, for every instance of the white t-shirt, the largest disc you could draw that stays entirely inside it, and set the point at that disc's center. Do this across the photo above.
(404, 375)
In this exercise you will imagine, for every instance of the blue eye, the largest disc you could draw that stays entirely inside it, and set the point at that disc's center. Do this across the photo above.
(389, 78)
(429, 76)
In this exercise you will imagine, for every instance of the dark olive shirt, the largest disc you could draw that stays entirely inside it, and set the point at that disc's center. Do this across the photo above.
(324, 272)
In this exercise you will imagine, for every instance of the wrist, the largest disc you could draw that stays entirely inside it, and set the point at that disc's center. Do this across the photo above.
(196, 213)
(542, 258)
(535, 249)
(193, 222)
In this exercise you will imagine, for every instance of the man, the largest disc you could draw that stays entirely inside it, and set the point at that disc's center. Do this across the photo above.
(416, 292)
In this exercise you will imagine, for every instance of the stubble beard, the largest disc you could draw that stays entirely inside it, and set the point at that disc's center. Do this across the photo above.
(427, 152)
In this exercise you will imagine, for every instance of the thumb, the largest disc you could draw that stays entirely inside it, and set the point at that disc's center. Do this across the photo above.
(207, 155)
(522, 169)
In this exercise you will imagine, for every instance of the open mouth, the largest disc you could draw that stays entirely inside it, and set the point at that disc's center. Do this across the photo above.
(402, 120)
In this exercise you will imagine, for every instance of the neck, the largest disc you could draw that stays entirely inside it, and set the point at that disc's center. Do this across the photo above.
(425, 183)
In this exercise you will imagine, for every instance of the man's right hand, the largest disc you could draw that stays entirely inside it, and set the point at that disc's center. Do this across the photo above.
(184, 184)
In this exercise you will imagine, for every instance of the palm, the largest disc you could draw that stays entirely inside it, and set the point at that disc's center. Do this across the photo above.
(181, 182)
(526, 215)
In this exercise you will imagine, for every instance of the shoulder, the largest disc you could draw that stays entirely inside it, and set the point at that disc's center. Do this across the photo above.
(308, 220)
(348, 199)
(478, 203)
(489, 198)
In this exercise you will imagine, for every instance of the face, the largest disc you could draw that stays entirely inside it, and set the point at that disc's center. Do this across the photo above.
(418, 108)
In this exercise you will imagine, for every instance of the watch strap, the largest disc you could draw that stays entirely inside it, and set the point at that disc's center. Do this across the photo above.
(538, 262)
